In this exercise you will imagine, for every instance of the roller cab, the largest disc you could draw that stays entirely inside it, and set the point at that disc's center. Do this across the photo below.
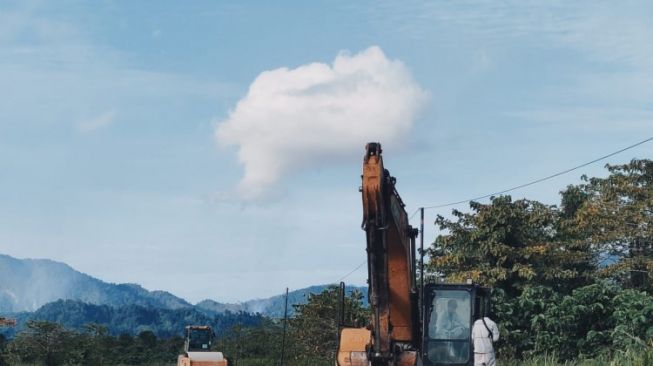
(197, 348)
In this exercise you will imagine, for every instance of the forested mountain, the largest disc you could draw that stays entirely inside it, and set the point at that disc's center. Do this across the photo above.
(28, 284)
(132, 319)
(45, 290)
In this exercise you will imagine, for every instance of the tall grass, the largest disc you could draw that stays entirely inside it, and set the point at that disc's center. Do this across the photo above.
(643, 357)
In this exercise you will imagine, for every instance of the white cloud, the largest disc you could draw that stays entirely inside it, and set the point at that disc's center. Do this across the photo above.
(96, 123)
(317, 113)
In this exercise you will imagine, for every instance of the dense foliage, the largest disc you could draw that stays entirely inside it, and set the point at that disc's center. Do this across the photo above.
(310, 336)
(163, 323)
(572, 281)
(615, 215)
(310, 340)
(314, 328)
(51, 344)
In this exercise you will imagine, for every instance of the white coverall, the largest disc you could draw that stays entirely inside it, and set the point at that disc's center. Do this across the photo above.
(483, 349)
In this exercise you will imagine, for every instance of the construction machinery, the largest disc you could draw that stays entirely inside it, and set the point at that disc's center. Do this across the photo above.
(7, 322)
(412, 324)
(197, 348)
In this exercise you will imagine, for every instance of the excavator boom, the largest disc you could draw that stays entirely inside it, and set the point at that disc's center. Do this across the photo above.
(391, 271)
(390, 248)
(406, 330)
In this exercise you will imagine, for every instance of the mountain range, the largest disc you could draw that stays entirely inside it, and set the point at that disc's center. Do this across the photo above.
(47, 290)
(28, 284)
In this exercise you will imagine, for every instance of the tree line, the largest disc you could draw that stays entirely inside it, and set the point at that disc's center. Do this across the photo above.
(165, 323)
(49, 343)
(310, 339)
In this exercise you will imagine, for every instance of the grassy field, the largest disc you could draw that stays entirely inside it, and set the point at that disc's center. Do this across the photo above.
(630, 358)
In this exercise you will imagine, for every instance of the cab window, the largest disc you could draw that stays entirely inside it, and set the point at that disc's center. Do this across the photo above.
(448, 334)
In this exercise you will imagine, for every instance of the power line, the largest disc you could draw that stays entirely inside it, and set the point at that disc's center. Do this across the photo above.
(537, 180)
(514, 188)
(351, 272)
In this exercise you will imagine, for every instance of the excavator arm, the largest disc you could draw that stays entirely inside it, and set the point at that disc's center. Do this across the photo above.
(394, 332)
(404, 329)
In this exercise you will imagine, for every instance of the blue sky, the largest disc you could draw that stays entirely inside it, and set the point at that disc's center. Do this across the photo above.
(112, 159)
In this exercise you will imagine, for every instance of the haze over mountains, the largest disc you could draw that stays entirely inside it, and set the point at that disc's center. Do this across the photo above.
(42, 289)
(28, 284)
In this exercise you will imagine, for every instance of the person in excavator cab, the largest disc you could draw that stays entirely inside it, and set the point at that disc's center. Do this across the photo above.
(450, 324)
(451, 330)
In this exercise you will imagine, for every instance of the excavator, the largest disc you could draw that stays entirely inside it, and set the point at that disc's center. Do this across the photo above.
(413, 324)
(197, 348)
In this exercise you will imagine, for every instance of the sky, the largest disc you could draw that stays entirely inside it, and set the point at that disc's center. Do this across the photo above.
(213, 149)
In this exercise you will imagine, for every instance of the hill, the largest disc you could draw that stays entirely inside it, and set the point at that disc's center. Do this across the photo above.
(131, 319)
(28, 284)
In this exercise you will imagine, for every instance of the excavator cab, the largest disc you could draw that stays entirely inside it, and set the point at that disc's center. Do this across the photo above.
(449, 313)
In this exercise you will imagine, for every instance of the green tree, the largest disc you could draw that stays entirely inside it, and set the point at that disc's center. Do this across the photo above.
(314, 328)
(580, 324)
(252, 345)
(4, 357)
(46, 342)
(516, 317)
(633, 317)
(511, 246)
(615, 215)
(98, 345)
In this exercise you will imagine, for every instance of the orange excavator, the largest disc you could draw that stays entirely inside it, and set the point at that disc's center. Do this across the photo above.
(412, 324)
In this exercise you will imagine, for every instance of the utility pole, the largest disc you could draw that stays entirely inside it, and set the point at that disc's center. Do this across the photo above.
(421, 271)
(340, 309)
(285, 325)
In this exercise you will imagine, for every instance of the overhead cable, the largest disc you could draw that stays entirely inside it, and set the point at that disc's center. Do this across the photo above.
(537, 180)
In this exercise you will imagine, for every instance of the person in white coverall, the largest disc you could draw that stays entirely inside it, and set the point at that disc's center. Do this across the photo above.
(484, 333)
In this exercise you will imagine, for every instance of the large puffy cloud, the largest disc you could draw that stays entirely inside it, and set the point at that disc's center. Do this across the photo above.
(318, 113)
